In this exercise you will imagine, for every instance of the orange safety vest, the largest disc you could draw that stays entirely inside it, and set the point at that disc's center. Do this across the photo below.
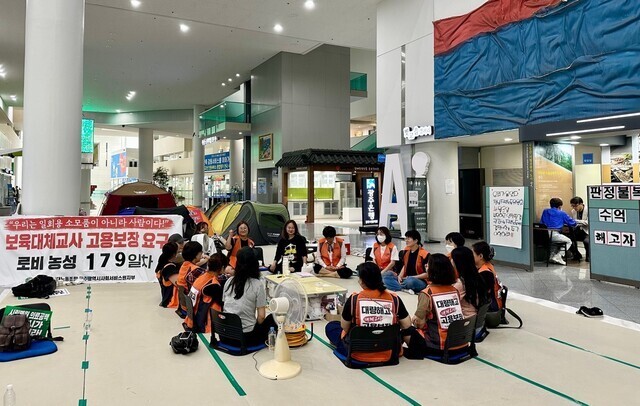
(371, 308)
(188, 274)
(174, 298)
(385, 259)
(420, 261)
(237, 244)
(445, 309)
(324, 251)
(497, 287)
(201, 302)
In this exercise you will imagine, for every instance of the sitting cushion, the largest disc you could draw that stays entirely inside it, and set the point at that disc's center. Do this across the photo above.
(37, 348)
(231, 349)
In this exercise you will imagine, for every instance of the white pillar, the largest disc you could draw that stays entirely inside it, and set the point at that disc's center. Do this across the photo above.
(145, 154)
(17, 166)
(236, 150)
(85, 189)
(198, 159)
(54, 34)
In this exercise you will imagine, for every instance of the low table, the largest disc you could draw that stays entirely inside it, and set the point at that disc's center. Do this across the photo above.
(315, 288)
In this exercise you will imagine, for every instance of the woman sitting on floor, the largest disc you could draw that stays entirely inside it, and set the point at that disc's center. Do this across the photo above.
(472, 290)
(167, 274)
(237, 240)
(245, 294)
(483, 254)
(373, 295)
(438, 298)
(206, 293)
(291, 245)
(384, 253)
(190, 270)
(412, 277)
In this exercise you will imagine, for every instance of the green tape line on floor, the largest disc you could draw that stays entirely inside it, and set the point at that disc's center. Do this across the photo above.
(595, 353)
(85, 337)
(223, 367)
(87, 310)
(82, 402)
(532, 382)
(372, 375)
(85, 364)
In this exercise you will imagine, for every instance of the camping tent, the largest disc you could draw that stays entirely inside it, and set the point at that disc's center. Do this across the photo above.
(142, 194)
(188, 223)
(265, 220)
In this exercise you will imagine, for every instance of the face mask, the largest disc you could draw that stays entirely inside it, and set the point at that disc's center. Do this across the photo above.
(381, 238)
(449, 248)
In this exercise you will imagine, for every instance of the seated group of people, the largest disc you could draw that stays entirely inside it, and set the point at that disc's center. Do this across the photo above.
(450, 287)
(577, 225)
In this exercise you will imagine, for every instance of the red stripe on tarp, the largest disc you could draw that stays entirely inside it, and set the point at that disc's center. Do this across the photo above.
(451, 32)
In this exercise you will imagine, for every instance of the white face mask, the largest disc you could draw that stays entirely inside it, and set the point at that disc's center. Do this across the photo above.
(381, 238)
(449, 248)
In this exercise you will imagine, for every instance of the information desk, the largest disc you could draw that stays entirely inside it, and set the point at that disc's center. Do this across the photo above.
(315, 288)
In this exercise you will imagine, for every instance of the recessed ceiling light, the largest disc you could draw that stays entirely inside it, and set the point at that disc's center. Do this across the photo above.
(277, 28)
(224, 138)
(309, 4)
(252, 76)
(184, 27)
(130, 95)
(237, 75)
(508, 139)
(230, 80)
(575, 137)
(118, 111)
(13, 97)
(223, 84)
(573, 142)
(240, 132)
(135, 3)
(604, 145)
(3, 72)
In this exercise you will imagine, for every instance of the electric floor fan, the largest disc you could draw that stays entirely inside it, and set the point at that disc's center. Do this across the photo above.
(289, 306)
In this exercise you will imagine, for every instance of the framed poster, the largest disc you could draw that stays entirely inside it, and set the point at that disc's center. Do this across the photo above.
(265, 147)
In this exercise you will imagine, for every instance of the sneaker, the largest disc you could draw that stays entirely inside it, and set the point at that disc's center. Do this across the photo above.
(581, 309)
(409, 291)
(591, 312)
(557, 259)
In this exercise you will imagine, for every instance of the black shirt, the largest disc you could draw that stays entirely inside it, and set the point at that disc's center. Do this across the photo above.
(295, 247)
(214, 291)
(346, 311)
(169, 270)
(410, 269)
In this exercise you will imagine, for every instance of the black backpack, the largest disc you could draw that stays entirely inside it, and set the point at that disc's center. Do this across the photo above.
(39, 287)
(184, 343)
(14, 333)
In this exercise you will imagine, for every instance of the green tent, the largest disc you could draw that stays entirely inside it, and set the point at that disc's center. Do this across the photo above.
(266, 221)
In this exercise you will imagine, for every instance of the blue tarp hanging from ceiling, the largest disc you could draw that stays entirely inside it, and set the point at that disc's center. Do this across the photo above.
(580, 59)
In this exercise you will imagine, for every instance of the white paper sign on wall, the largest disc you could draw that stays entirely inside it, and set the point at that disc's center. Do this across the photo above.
(506, 206)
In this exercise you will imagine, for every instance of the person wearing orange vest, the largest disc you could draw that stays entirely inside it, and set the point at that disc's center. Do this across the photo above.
(473, 292)
(167, 274)
(206, 293)
(453, 240)
(374, 306)
(438, 304)
(384, 253)
(483, 254)
(235, 242)
(190, 270)
(332, 256)
(412, 277)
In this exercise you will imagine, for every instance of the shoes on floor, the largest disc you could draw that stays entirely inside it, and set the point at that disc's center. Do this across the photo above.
(409, 291)
(557, 259)
(590, 311)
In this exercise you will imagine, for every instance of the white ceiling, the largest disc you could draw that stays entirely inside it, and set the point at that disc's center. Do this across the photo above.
(143, 49)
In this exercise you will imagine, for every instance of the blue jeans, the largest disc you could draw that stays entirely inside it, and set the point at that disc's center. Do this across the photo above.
(390, 280)
(333, 330)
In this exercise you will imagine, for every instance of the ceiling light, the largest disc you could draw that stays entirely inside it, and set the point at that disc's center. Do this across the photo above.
(309, 5)
(252, 76)
(573, 142)
(575, 137)
(223, 84)
(184, 27)
(13, 97)
(604, 145)
(130, 95)
(239, 132)
(135, 3)
(230, 80)
(224, 138)
(591, 130)
(237, 75)
(508, 139)
(277, 28)
(118, 111)
(589, 120)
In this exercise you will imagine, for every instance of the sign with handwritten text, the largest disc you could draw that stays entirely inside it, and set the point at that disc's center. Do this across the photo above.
(506, 207)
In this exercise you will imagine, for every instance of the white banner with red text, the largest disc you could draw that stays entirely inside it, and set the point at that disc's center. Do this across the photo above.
(97, 249)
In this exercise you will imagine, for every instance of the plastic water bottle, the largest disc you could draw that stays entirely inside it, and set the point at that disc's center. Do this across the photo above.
(285, 266)
(9, 396)
(271, 340)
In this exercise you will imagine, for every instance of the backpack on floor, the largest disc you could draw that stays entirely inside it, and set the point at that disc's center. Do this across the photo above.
(184, 343)
(498, 318)
(14, 333)
(39, 287)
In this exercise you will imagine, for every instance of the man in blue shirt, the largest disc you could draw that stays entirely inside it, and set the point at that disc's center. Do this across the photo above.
(554, 218)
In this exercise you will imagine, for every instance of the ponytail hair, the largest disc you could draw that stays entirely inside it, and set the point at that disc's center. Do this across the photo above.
(484, 249)
(370, 275)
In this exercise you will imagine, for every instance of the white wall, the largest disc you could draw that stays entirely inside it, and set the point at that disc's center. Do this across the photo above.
(500, 157)
(364, 61)
(169, 146)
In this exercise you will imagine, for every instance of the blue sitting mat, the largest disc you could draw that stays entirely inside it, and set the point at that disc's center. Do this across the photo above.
(236, 350)
(454, 355)
(37, 348)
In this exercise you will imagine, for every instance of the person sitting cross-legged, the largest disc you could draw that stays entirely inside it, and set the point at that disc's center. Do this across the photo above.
(332, 256)
(412, 277)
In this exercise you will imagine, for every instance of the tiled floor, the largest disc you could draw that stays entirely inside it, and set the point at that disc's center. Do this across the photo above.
(569, 285)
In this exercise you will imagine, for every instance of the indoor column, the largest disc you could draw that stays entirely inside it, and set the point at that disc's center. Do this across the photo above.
(145, 154)
(235, 162)
(54, 33)
(198, 159)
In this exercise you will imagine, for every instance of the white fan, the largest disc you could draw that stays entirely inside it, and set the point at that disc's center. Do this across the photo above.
(289, 305)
